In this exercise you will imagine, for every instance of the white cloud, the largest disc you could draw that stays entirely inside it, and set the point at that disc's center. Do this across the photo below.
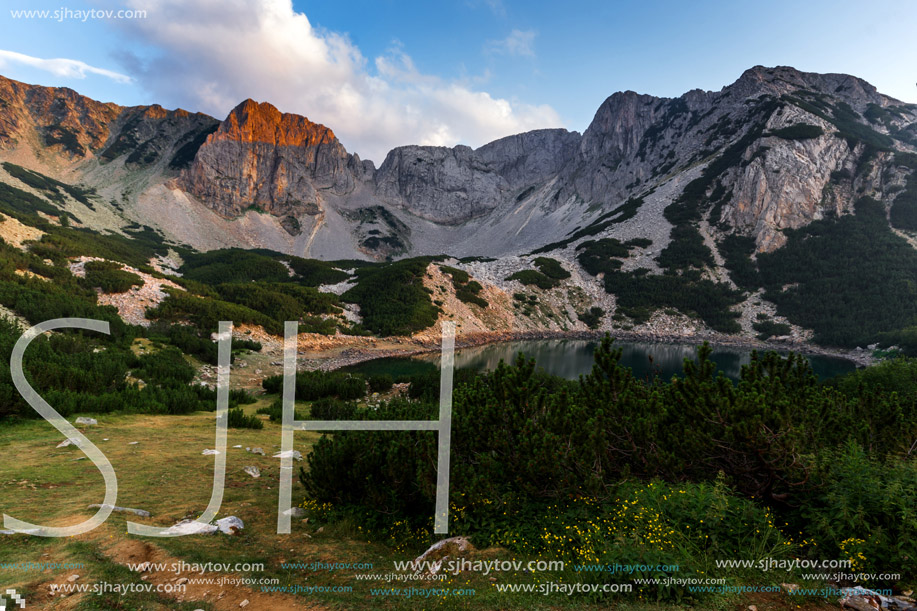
(212, 54)
(519, 43)
(67, 68)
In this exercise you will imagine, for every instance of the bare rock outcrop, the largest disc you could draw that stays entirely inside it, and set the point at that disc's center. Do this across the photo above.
(783, 184)
(68, 123)
(276, 162)
(527, 159)
(443, 185)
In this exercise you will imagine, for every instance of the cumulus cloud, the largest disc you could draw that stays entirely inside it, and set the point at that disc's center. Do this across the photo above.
(212, 54)
(67, 68)
(519, 43)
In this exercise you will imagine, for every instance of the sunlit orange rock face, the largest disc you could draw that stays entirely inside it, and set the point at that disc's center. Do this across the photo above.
(74, 128)
(75, 124)
(254, 122)
(280, 163)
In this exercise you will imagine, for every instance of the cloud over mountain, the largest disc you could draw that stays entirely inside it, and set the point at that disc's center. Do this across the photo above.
(59, 66)
(210, 54)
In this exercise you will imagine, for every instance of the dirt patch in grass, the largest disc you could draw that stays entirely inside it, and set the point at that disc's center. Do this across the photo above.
(134, 551)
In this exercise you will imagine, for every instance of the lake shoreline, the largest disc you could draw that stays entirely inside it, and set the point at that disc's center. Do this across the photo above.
(362, 354)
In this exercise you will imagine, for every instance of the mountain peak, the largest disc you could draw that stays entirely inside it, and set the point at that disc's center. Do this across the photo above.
(253, 121)
(759, 80)
(764, 73)
(780, 80)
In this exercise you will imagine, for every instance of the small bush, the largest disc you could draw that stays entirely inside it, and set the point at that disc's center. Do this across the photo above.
(272, 384)
(466, 289)
(238, 419)
(459, 276)
(246, 344)
(239, 396)
(469, 294)
(332, 409)
(601, 256)
(800, 131)
(531, 277)
(312, 385)
(686, 250)
(866, 511)
(351, 387)
(381, 383)
(108, 276)
(768, 328)
(275, 412)
(551, 268)
(592, 317)
(165, 367)
(187, 339)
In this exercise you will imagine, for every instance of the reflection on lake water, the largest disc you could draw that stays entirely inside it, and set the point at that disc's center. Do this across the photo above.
(569, 358)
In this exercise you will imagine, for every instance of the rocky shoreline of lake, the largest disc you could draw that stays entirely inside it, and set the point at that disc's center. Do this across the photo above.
(355, 355)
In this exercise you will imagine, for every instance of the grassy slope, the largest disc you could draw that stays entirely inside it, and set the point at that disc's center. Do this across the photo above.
(167, 475)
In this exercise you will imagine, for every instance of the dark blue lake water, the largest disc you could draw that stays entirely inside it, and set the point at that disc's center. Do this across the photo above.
(569, 358)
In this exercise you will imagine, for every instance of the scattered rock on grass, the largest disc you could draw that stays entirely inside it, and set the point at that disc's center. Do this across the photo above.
(230, 525)
(191, 527)
(294, 454)
(452, 546)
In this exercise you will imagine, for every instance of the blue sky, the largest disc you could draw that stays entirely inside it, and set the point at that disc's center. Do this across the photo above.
(385, 73)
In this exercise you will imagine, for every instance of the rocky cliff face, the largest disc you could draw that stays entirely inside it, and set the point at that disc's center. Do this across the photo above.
(530, 158)
(151, 136)
(275, 162)
(76, 128)
(63, 120)
(782, 183)
(789, 177)
(443, 185)
(611, 141)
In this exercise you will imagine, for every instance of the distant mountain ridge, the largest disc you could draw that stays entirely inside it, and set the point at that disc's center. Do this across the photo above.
(512, 195)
